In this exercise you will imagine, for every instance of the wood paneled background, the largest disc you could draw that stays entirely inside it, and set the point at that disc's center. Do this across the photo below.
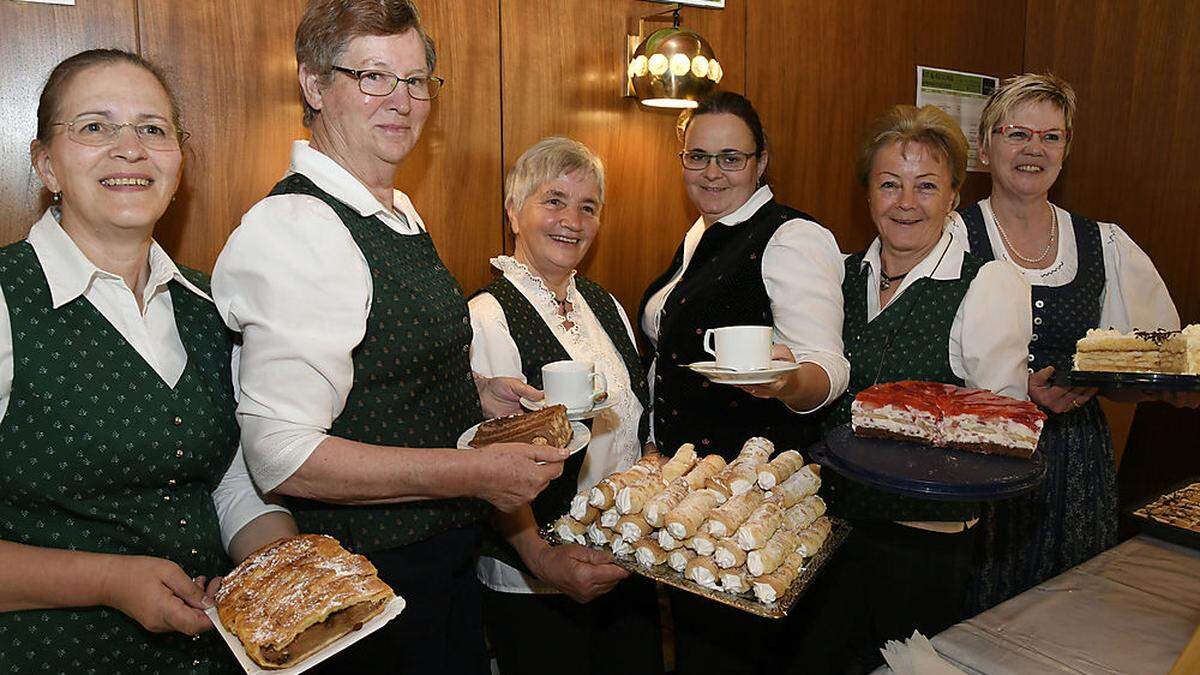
(519, 70)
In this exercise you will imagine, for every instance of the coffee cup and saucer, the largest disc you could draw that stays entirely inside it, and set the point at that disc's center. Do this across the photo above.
(742, 356)
(575, 384)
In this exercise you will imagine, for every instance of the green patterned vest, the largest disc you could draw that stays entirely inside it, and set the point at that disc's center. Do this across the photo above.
(412, 379)
(538, 346)
(908, 340)
(100, 455)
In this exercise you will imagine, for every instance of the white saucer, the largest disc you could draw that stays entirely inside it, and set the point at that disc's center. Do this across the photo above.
(709, 369)
(574, 414)
(580, 437)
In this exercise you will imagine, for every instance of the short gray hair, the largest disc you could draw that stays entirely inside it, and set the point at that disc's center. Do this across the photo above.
(548, 159)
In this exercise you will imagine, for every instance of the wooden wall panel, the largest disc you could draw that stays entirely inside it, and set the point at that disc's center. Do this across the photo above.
(454, 173)
(33, 39)
(563, 67)
(819, 71)
(234, 69)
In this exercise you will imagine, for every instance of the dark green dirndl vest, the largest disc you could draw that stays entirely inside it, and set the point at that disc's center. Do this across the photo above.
(412, 379)
(101, 455)
(539, 346)
(907, 341)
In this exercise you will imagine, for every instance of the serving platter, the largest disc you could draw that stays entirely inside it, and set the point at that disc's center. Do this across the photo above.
(1126, 380)
(745, 602)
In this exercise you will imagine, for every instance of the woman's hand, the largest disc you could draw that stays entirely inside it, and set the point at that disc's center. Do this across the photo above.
(156, 593)
(501, 396)
(1054, 398)
(778, 387)
(582, 573)
(510, 475)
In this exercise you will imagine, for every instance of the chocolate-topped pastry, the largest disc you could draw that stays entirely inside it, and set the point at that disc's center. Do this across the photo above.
(548, 426)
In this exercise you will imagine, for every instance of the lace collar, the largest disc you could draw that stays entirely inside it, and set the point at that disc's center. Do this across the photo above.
(525, 279)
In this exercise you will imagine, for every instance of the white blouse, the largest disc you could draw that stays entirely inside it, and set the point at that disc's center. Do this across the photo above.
(802, 270)
(1134, 294)
(151, 332)
(294, 283)
(614, 445)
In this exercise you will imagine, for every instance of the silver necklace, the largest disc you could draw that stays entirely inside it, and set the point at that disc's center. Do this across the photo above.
(1049, 244)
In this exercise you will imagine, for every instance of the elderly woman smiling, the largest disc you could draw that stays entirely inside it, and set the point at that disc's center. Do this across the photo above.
(918, 306)
(537, 312)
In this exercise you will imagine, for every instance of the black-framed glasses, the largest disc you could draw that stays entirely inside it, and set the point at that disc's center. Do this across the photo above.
(383, 83)
(694, 160)
(1016, 134)
(98, 132)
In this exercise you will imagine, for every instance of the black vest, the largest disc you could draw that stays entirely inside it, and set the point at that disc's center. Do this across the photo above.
(1062, 314)
(722, 286)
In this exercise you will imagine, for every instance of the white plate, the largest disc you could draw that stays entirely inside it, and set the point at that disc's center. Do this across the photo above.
(580, 437)
(777, 369)
(391, 611)
(573, 414)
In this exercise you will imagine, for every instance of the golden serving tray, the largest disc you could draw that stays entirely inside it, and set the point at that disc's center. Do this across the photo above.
(746, 601)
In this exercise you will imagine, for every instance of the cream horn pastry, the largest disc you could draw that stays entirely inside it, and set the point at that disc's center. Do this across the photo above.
(703, 571)
(779, 469)
(701, 543)
(581, 510)
(744, 478)
(799, 485)
(604, 494)
(766, 559)
(633, 497)
(621, 546)
(814, 537)
(569, 529)
(770, 587)
(704, 469)
(632, 527)
(660, 505)
(735, 580)
(804, 513)
(648, 553)
(723, 481)
(598, 534)
(724, 520)
(684, 520)
(666, 541)
(760, 526)
(756, 450)
(681, 463)
(609, 517)
(728, 554)
(678, 559)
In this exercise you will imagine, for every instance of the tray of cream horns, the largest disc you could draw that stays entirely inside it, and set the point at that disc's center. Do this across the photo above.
(751, 533)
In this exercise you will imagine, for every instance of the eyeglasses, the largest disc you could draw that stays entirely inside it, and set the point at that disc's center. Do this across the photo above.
(383, 83)
(1016, 134)
(694, 160)
(98, 132)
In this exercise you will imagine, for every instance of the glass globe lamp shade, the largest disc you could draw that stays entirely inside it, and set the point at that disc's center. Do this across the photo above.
(674, 68)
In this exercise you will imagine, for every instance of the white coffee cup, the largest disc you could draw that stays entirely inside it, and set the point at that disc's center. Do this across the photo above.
(739, 347)
(574, 384)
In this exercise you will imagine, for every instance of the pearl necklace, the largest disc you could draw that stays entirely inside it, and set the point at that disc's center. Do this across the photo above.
(1049, 244)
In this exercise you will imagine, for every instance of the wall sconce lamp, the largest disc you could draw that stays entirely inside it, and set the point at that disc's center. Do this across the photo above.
(671, 67)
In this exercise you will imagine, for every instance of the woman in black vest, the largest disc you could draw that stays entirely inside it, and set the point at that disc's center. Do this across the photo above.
(1084, 275)
(122, 476)
(547, 606)
(919, 307)
(747, 260)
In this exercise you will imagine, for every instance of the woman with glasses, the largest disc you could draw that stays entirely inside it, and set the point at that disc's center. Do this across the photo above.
(1084, 274)
(747, 260)
(355, 369)
(122, 476)
(919, 307)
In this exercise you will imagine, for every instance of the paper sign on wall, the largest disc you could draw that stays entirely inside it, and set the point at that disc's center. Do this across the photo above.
(962, 96)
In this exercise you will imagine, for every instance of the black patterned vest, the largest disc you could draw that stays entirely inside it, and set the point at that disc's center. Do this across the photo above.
(908, 340)
(538, 346)
(722, 286)
(412, 379)
(1062, 314)
(101, 455)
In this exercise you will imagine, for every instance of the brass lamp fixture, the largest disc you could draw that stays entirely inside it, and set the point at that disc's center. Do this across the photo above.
(672, 67)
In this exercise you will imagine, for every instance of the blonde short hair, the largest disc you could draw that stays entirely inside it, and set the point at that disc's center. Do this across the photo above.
(548, 159)
(928, 126)
(1022, 89)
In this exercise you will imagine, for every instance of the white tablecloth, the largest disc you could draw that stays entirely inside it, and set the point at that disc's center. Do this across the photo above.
(1131, 609)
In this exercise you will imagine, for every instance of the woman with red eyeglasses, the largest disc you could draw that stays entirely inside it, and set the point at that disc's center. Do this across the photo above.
(1084, 274)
